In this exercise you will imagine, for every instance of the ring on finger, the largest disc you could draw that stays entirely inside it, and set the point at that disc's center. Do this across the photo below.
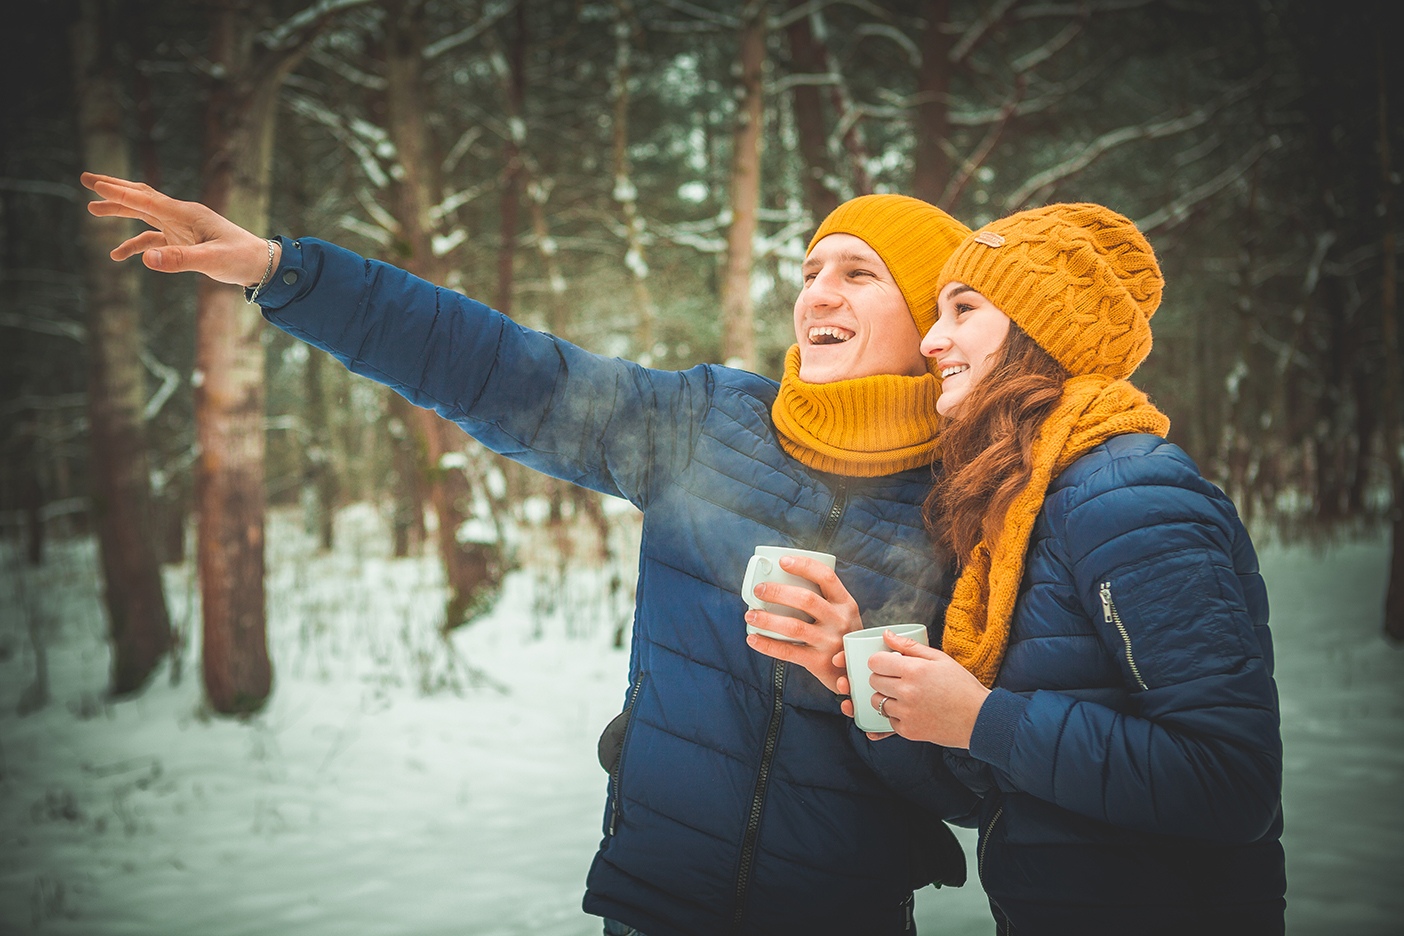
(881, 702)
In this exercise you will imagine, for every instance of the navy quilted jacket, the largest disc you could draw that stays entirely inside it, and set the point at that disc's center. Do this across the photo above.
(743, 801)
(1130, 753)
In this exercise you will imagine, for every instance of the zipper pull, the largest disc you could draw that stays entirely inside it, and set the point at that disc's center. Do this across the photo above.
(1106, 602)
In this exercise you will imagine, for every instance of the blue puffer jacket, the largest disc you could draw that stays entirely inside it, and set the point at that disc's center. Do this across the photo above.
(743, 801)
(1130, 753)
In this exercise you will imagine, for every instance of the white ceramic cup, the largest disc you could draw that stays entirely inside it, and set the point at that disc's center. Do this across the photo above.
(764, 566)
(858, 646)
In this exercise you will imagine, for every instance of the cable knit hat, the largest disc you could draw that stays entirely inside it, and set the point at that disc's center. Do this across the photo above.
(912, 237)
(1080, 279)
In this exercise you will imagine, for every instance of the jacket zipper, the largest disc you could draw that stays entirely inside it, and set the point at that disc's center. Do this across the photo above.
(748, 846)
(772, 735)
(1111, 616)
(831, 522)
(985, 843)
(619, 761)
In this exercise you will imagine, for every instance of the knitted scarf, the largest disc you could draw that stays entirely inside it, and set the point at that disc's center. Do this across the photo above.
(1092, 410)
(859, 428)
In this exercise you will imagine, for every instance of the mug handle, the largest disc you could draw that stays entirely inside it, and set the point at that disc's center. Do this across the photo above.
(748, 583)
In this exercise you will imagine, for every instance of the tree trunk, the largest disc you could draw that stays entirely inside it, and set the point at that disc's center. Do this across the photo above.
(807, 58)
(626, 193)
(229, 393)
(319, 470)
(512, 169)
(411, 485)
(472, 570)
(738, 313)
(933, 162)
(139, 625)
(1389, 330)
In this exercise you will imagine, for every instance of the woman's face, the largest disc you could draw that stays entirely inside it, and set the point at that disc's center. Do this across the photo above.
(969, 330)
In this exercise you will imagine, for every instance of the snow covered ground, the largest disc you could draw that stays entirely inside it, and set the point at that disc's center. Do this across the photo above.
(397, 783)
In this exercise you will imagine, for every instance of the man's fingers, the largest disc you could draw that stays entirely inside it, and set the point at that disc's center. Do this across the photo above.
(132, 246)
(199, 258)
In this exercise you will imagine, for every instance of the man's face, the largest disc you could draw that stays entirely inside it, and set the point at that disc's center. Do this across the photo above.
(851, 320)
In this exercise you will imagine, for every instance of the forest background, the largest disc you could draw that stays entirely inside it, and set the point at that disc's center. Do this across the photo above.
(641, 178)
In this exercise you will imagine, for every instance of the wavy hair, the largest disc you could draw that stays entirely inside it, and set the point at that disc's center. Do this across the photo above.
(986, 453)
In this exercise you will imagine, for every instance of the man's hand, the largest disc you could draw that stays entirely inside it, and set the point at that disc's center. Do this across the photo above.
(834, 611)
(188, 236)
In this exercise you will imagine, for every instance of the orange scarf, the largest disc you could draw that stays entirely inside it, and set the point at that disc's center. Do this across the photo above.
(1092, 410)
(859, 428)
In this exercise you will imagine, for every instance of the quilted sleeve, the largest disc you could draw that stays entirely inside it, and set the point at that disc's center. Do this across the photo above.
(1163, 570)
(603, 423)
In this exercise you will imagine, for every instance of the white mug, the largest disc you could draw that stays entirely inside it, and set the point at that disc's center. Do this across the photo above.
(764, 566)
(858, 646)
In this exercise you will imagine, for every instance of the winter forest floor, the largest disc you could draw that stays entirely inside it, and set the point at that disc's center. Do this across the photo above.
(399, 783)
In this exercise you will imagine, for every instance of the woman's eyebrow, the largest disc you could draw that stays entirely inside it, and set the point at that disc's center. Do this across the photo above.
(960, 288)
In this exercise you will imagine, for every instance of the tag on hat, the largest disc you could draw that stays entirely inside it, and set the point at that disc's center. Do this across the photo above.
(989, 239)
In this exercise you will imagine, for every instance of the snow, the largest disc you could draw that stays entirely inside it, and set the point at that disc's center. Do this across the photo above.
(400, 783)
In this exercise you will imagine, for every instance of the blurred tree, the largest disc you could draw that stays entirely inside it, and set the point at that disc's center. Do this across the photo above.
(138, 623)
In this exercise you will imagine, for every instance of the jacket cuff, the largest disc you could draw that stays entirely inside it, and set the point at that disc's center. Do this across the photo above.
(993, 736)
(289, 281)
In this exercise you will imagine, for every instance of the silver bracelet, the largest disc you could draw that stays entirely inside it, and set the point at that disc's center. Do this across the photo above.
(267, 273)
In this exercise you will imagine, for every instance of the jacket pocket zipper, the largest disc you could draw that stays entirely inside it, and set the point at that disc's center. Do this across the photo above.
(1111, 616)
(985, 843)
(614, 774)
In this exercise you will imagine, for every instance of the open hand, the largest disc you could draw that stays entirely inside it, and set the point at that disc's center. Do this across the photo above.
(188, 236)
(834, 611)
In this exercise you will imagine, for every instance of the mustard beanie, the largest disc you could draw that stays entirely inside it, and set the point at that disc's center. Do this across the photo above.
(1080, 279)
(911, 236)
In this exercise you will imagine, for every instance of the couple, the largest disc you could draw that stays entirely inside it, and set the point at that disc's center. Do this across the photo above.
(1102, 704)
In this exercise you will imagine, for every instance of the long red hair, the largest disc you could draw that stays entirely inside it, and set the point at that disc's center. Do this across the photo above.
(986, 453)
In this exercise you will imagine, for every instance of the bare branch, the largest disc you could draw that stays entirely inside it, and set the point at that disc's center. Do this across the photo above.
(903, 41)
(464, 36)
(170, 380)
(714, 17)
(1037, 187)
(1080, 9)
(977, 157)
(344, 69)
(1031, 60)
(782, 20)
(1179, 210)
(35, 187)
(296, 30)
(977, 30)
(44, 326)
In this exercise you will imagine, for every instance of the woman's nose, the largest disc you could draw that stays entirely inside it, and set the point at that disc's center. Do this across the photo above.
(934, 342)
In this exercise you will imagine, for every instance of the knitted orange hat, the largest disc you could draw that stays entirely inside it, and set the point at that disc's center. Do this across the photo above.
(911, 236)
(1080, 279)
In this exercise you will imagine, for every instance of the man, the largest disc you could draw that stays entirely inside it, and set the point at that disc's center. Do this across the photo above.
(740, 798)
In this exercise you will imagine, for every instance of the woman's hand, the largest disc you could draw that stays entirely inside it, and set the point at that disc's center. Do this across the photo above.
(930, 697)
(834, 611)
(188, 236)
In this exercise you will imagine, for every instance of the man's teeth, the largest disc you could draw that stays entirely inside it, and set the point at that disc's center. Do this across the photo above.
(953, 369)
(829, 334)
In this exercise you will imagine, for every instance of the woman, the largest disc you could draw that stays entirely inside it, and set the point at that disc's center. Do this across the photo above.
(1106, 680)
